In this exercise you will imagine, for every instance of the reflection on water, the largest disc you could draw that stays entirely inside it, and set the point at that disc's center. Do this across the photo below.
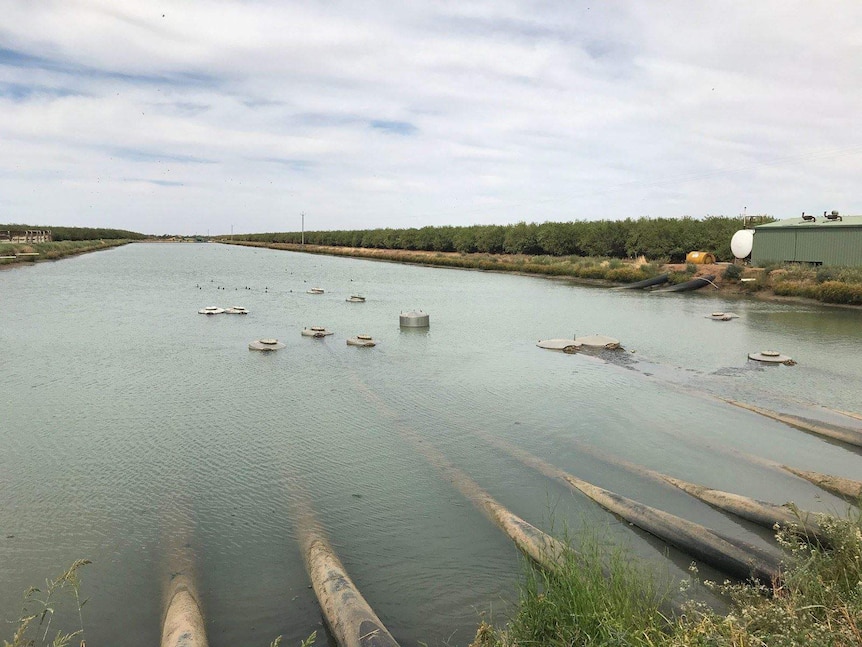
(841, 326)
(136, 431)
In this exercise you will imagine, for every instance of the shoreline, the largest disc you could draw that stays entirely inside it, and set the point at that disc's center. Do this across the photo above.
(59, 253)
(510, 264)
(562, 269)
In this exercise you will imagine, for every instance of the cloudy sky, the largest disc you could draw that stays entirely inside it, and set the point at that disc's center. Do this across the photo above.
(201, 115)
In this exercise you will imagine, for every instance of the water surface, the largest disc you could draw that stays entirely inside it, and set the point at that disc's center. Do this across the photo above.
(134, 429)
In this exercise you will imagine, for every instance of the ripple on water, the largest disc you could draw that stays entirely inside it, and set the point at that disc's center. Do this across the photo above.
(137, 431)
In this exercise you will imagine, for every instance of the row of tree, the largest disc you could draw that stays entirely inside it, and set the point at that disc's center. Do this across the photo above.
(75, 233)
(655, 238)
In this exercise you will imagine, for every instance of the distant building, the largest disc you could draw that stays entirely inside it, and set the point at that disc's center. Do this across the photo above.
(27, 236)
(830, 239)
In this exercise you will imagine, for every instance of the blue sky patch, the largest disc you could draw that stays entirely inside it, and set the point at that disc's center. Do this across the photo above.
(140, 155)
(14, 58)
(292, 164)
(23, 92)
(395, 127)
(156, 182)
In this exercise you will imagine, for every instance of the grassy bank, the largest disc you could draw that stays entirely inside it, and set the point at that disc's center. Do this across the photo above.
(598, 599)
(827, 285)
(575, 267)
(52, 251)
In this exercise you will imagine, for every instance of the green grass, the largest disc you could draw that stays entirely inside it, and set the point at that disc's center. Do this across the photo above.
(732, 273)
(841, 285)
(41, 606)
(596, 597)
(54, 250)
(601, 598)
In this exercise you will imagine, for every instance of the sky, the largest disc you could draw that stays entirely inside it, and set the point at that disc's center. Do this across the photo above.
(210, 116)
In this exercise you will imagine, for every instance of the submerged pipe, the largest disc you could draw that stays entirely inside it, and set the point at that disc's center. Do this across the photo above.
(183, 625)
(840, 486)
(542, 548)
(536, 544)
(726, 554)
(183, 620)
(545, 551)
(843, 487)
(348, 615)
(849, 436)
(762, 513)
(847, 414)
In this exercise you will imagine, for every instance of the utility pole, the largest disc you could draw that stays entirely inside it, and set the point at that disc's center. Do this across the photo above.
(303, 229)
(231, 233)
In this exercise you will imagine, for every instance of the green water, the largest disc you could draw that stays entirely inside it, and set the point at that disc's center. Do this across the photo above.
(134, 429)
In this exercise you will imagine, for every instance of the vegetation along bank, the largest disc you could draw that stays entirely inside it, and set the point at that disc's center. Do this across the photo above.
(827, 285)
(18, 247)
(656, 238)
(20, 253)
(603, 598)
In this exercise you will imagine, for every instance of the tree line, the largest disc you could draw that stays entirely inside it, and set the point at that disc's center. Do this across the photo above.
(655, 238)
(75, 233)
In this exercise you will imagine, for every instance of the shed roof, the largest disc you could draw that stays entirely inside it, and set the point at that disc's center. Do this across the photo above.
(846, 221)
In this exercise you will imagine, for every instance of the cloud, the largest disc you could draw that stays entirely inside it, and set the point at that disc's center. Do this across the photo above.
(414, 114)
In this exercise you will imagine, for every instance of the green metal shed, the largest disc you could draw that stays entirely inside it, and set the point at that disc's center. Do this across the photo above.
(820, 242)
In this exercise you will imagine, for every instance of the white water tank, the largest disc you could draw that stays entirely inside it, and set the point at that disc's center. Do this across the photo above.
(742, 243)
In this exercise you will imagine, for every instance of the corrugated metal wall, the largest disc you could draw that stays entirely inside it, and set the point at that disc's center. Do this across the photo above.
(773, 246)
(833, 246)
